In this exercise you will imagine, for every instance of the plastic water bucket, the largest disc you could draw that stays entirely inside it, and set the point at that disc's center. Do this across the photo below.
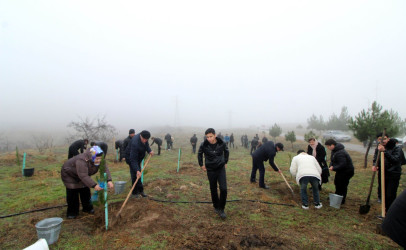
(49, 229)
(335, 200)
(119, 187)
(41, 244)
(28, 172)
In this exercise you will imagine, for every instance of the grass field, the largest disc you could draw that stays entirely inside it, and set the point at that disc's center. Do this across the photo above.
(260, 219)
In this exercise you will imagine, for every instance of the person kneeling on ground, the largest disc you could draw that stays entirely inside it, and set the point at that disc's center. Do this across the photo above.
(306, 169)
(215, 153)
(76, 174)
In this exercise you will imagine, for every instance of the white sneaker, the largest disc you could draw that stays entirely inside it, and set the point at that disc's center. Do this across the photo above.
(305, 207)
(318, 206)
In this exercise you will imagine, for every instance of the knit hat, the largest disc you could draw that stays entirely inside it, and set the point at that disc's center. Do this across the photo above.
(132, 131)
(145, 134)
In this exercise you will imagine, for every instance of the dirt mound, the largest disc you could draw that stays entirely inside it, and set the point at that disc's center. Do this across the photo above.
(143, 214)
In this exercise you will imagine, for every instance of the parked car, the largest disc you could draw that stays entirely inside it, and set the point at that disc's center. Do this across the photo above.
(336, 135)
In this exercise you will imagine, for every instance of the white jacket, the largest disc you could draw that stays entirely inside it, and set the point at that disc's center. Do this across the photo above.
(305, 165)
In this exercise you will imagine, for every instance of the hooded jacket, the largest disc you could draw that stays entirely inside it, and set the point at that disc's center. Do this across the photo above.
(305, 165)
(215, 155)
(76, 171)
(340, 159)
(393, 158)
(266, 152)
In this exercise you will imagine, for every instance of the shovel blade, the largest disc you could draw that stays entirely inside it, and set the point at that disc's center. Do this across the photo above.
(364, 209)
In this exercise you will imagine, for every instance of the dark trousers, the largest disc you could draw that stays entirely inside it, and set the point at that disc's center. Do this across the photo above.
(159, 149)
(231, 143)
(258, 165)
(168, 144)
(139, 188)
(391, 189)
(72, 198)
(341, 181)
(72, 153)
(253, 148)
(194, 148)
(218, 176)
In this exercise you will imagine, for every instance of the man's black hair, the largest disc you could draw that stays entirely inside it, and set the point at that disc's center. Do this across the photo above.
(210, 130)
(380, 135)
(330, 142)
(92, 143)
(145, 134)
(279, 145)
(300, 151)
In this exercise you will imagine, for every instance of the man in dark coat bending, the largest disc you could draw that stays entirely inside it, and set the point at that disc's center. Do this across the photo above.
(266, 152)
(77, 145)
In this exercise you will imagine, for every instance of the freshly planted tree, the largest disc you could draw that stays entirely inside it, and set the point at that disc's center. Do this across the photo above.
(368, 123)
(275, 131)
(290, 136)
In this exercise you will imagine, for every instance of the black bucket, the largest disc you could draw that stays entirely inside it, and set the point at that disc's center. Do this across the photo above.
(28, 172)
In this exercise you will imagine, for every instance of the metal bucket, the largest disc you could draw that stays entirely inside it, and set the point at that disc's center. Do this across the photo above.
(335, 200)
(119, 187)
(49, 229)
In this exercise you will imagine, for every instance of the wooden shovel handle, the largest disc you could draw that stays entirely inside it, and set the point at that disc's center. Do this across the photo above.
(135, 183)
(286, 182)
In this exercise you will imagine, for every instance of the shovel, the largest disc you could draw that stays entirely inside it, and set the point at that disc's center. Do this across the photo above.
(364, 209)
(135, 183)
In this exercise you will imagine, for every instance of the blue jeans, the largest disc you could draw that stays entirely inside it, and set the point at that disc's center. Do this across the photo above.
(315, 188)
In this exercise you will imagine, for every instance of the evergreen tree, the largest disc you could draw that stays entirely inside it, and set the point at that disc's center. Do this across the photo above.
(309, 135)
(316, 123)
(275, 131)
(290, 136)
(368, 123)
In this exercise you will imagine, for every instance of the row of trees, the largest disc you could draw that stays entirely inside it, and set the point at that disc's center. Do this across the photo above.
(365, 125)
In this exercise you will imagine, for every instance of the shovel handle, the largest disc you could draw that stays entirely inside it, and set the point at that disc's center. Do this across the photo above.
(286, 182)
(371, 186)
(135, 183)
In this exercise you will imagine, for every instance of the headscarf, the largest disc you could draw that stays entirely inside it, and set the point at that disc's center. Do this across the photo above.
(314, 147)
(95, 151)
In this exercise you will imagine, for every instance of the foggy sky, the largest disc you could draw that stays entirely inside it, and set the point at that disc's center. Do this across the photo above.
(235, 63)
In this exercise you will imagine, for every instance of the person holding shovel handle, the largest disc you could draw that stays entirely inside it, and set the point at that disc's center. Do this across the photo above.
(393, 159)
(139, 145)
(75, 174)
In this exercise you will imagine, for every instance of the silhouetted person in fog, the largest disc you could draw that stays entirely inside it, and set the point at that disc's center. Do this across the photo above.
(76, 146)
(193, 142)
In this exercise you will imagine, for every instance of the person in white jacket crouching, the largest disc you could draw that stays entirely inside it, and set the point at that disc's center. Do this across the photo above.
(306, 169)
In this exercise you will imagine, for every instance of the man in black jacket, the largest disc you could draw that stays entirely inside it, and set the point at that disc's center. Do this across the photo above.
(254, 144)
(77, 145)
(393, 167)
(158, 143)
(139, 145)
(232, 140)
(168, 139)
(341, 163)
(216, 154)
(266, 152)
(119, 145)
(193, 141)
(126, 144)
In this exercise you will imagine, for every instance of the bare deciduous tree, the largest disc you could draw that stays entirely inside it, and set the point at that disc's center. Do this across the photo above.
(43, 143)
(96, 129)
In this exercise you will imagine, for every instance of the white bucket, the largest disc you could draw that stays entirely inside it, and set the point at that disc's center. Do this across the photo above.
(49, 229)
(41, 244)
(335, 200)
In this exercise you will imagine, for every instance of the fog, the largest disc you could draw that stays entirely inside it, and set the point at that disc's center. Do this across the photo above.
(223, 64)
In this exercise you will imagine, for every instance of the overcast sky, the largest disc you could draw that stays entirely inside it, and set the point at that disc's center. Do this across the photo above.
(235, 63)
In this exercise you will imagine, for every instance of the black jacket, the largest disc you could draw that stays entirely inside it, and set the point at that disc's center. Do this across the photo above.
(393, 158)
(119, 144)
(215, 155)
(266, 152)
(157, 141)
(193, 139)
(103, 146)
(340, 159)
(137, 152)
(78, 145)
(320, 154)
(126, 148)
(394, 224)
(168, 137)
(254, 142)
